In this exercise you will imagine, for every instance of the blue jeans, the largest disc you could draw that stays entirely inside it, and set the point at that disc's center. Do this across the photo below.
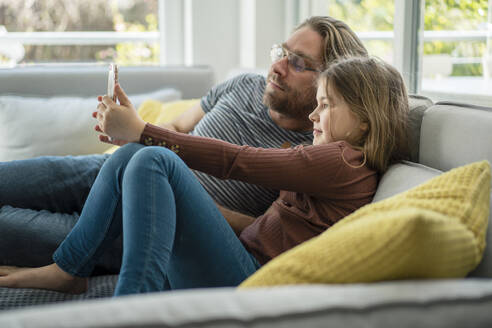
(174, 236)
(40, 202)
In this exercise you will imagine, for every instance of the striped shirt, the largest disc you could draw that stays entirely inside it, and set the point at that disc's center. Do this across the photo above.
(235, 113)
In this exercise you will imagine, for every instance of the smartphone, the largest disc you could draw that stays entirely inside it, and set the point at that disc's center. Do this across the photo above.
(112, 80)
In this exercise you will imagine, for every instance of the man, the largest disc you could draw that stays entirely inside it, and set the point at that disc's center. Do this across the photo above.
(40, 199)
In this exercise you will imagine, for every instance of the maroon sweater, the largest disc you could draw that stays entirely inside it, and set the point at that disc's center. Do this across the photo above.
(318, 188)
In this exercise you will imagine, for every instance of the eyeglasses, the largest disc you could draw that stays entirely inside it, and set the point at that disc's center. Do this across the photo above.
(297, 62)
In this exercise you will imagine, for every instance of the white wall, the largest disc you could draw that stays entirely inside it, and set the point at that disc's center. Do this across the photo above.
(214, 35)
(230, 34)
(269, 29)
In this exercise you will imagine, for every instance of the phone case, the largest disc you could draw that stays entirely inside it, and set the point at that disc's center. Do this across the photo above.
(112, 80)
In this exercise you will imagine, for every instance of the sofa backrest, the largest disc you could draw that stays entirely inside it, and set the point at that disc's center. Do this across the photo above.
(63, 80)
(452, 135)
(418, 105)
(443, 136)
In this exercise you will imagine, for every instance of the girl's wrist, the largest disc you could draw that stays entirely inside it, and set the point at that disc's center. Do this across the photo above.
(139, 129)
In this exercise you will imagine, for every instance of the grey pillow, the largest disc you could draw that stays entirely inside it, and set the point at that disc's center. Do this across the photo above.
(418, 105)
(484, 269)
(401, 177)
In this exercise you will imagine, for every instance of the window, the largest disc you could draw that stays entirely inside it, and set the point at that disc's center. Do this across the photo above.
(371, 20)
(450, 60)
(455, 50)
(123, 31)
(374, 22)
(442, 47)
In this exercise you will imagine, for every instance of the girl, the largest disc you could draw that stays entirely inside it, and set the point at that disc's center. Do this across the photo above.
(174, 236)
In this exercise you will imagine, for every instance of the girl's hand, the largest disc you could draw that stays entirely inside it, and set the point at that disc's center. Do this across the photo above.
(120, 123)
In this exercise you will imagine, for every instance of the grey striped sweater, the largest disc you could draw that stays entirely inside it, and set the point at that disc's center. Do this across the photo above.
(235, 113)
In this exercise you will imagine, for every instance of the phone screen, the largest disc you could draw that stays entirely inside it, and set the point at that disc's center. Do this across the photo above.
(112, 80)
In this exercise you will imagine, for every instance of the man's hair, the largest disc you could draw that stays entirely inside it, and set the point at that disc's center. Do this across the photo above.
(376, 93)
(339, 40)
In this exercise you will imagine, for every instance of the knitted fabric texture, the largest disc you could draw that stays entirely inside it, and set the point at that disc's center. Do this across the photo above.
(435, 230)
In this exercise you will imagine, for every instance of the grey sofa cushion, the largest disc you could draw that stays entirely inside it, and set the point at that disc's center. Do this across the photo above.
(454, 134)
(484, 269)
(401, 177)
(436, 303)
(418, 105)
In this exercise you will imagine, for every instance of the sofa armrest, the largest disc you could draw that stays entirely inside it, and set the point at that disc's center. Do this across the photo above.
(445, 303)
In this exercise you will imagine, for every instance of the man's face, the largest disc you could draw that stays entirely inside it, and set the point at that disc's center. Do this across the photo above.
(293, 93)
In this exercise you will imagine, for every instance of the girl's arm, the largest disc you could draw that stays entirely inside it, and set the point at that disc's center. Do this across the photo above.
(314, 170)
(310, 169)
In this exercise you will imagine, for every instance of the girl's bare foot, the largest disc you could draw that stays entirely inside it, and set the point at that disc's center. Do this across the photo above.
(48, 277)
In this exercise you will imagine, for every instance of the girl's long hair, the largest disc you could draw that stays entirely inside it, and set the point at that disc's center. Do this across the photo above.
(376, 93)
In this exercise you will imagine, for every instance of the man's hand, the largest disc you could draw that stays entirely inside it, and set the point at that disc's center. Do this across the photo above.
(120, 123)
(236, 220)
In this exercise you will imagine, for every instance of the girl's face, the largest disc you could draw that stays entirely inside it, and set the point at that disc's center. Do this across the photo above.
(332, 118)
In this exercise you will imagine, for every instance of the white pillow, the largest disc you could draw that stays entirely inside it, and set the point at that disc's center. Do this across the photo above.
(31, 127)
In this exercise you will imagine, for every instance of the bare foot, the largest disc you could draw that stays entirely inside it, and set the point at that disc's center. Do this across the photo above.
(6, 270)
(49, 277)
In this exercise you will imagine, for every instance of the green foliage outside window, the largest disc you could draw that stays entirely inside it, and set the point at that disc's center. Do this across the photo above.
(439, 15)
(364, 15)
(131, 53)
(83, 15)
(141, 16)
(442, 15)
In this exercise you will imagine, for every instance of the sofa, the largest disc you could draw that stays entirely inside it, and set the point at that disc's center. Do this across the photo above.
(444, 136)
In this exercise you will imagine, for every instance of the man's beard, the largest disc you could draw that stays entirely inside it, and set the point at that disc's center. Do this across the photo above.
(295, 104)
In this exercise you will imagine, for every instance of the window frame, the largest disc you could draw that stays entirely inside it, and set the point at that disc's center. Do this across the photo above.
(408, 55)
(171, 31)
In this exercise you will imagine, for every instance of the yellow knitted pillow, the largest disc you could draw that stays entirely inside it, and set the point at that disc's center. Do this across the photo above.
(435, 230)
(155, 112)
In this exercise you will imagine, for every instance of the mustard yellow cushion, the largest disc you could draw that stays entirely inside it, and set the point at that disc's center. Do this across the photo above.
(435, 230)
(155, 112)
